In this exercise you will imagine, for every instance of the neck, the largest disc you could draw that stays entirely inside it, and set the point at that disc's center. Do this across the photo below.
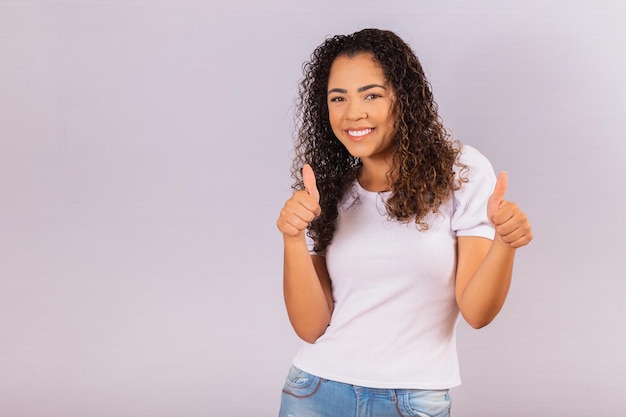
(373, 176)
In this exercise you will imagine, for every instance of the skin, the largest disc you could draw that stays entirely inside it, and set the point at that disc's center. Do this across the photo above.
(360, 99)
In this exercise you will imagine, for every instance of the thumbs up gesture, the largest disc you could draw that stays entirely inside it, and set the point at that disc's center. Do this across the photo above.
(308, 177)
(512, 226)
(301, 208)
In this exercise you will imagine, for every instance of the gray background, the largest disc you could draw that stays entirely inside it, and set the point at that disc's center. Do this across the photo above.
(144, 154)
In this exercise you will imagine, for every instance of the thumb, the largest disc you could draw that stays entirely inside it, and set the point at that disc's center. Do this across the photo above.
(495, 201)
(308, 177)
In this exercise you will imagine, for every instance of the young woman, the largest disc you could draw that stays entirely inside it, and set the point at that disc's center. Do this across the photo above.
(393, 230)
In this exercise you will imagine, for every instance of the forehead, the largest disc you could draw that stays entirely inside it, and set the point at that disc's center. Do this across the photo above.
(357, 70)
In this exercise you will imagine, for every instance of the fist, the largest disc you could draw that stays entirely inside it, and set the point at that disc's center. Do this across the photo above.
(512, 226)
(302, 208)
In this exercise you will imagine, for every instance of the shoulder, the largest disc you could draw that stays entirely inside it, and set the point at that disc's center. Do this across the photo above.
(470, 157)
(476, 180)
(474, 171)
(473, 166)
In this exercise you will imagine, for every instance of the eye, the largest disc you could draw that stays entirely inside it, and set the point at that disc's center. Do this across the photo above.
(336, 99)
(372, 96)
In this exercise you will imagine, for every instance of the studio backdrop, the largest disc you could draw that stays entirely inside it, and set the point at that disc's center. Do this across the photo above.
(144, 157)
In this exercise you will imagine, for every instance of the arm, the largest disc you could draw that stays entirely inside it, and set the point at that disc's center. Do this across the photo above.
(307, 290)
(306, 283)
(484, 267)
(483, 278)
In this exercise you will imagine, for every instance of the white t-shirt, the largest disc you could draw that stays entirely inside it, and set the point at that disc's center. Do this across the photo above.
(395, 316)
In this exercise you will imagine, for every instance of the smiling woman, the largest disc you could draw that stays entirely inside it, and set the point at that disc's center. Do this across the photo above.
(393, 231)
(360, 102)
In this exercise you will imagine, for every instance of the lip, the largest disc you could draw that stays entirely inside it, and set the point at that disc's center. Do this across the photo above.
(360, 129)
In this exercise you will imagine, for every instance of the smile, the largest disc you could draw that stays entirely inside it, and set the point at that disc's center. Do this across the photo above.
(359, 133)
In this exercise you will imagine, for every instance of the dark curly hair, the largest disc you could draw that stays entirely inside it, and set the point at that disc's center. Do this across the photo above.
(421, 175)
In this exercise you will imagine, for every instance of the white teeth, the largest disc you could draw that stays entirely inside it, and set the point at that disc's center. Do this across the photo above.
(359, 132)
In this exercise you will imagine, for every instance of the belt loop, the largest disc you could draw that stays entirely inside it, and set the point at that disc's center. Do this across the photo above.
(393, 396)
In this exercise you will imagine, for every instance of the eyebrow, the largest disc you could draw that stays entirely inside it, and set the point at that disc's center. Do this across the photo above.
(359, 90)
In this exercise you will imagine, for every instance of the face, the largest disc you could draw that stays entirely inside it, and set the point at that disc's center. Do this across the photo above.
(360, 107)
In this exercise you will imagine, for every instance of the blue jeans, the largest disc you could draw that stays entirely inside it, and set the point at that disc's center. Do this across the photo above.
(306, 395)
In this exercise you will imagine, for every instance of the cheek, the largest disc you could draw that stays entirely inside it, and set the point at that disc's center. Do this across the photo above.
(391, 120)
(335, 121)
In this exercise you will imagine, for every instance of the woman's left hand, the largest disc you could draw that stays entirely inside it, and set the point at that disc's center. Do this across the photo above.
(512, 227)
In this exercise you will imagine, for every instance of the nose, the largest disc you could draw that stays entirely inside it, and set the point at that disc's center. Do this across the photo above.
(355, 111)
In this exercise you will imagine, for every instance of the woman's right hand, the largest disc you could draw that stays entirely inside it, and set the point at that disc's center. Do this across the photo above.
(302, 208)
(306, 283)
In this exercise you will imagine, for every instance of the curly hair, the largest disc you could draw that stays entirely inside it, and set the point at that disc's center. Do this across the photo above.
(421, 174)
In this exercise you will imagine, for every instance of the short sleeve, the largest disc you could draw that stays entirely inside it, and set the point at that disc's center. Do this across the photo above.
(470, 202)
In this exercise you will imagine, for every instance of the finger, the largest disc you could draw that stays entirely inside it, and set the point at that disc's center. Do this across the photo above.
(496, 200)
(306, 200)
(500, 189)
(517, 238)
(506, 212)
(509, 233)
(512, 225)
(308, 177)
(302, 205)
(289, 229)
(296, 223)
(294, 218)
(298, 212)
